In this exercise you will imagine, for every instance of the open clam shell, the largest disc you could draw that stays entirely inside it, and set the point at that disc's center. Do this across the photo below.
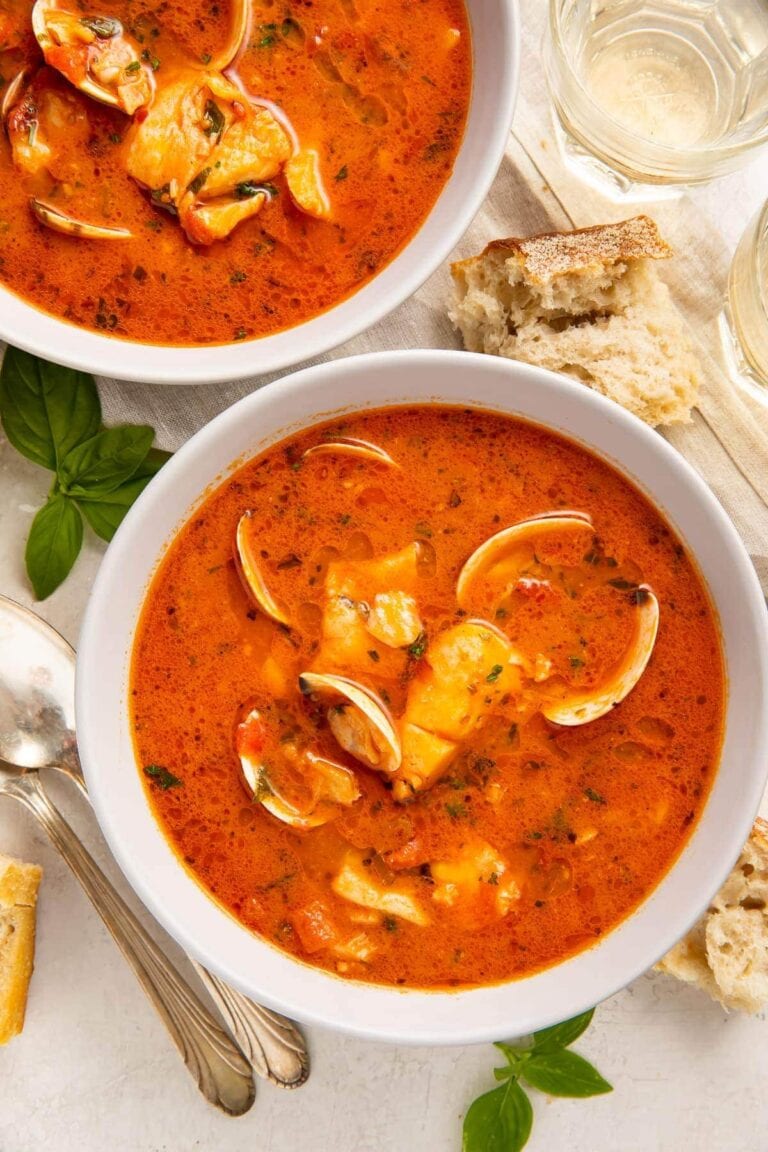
(59, 221)
(249, 567)
(93, 53)
(240, 19)
(498, 546)
(332, 784)
(12, 93)
(358, 719)
(584, 707)
(349, 446)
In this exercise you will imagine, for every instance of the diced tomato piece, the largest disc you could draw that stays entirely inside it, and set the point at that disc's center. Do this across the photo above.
(540, 591)
(70, 60)
(411, 855)
(251, 736)
(315, 927)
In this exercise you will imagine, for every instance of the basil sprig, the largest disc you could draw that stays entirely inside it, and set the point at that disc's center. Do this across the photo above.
(501, 1120)
(52, 415)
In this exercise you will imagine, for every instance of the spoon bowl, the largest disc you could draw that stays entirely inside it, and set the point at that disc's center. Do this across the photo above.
(37, 692)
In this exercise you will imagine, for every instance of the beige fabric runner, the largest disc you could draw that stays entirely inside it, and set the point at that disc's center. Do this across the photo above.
(728, 439)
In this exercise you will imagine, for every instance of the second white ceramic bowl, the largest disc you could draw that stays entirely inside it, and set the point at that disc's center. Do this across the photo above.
(204, 929)
(495, 41)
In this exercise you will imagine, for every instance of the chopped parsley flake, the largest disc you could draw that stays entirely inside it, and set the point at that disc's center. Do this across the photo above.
(162, 777)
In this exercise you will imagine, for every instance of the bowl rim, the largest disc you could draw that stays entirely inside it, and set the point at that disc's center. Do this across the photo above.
(413, 1016)
(40, 333)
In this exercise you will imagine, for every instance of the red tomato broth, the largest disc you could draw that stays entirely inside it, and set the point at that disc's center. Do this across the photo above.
(587, 819)
(281, 267)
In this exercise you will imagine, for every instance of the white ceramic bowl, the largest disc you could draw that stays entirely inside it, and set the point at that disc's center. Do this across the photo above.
(256, 967)
(496, 50)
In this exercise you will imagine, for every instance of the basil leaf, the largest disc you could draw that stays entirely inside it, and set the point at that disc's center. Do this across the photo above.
(513, 1052)
(106, 514)
(152, 463)
(98, 466)
(46, 409)
(564, 1073)
(561, 1035)
(54, 543)
(499, 1121)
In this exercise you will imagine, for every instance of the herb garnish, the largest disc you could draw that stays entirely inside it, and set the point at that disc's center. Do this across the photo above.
(342, 173)
(419, 646)
(455, 809)
(595, 797)
(247, 189)
(52, 415)
(290, 27)
(133, 66)
(214, 119)
(162, 776)
(102, 26)
(268, 35)
(502, 1119)
(494, 673)
(195, 185)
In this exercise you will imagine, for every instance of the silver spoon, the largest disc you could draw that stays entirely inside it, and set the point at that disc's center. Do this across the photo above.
(37, 729)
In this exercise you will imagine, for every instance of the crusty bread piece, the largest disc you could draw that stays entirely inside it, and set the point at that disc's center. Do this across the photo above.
(18, 897)
(588, 303)
(726, 953)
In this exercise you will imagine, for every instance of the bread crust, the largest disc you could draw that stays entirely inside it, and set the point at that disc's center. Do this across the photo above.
(550, 254)
(588, 304)
(19, 884)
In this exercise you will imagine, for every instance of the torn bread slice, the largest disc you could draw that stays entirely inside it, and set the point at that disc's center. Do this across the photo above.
(18, 899)
(726, 953)
(588, 303)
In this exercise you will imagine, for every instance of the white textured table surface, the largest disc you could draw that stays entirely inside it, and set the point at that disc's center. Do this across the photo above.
(94, 1069)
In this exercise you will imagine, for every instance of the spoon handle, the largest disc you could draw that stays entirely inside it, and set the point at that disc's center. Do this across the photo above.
(273, 1046)
(219, 1068)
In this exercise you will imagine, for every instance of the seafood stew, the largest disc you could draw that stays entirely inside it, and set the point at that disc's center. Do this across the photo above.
(225, 172)
(429, 696)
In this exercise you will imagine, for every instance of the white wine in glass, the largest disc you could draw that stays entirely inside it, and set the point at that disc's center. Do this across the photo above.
(659, 92)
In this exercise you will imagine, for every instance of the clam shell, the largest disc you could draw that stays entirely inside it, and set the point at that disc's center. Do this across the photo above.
(11, 92)
(584, 707)
(87, 85)
(59, 221)
(251, 574)
(382, 750)
(240, 19)
(348, 446)
(497, 546)
(336, 785)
